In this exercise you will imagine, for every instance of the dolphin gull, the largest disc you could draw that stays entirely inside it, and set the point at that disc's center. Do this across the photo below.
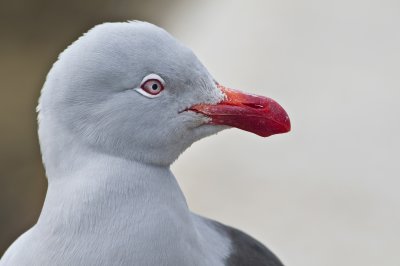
(117, 108)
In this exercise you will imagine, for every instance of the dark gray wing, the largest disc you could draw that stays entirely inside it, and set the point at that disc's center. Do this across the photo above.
(246, 251)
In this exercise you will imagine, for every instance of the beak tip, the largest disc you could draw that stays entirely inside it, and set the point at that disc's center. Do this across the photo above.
(288, 125)
(281, 127)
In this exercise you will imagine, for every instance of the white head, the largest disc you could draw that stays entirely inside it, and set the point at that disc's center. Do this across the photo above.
(131, 90)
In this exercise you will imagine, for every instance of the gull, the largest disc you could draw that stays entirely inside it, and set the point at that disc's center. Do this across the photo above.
(117, 109)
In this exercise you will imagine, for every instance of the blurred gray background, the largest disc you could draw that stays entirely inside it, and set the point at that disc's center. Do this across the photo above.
(325, 194)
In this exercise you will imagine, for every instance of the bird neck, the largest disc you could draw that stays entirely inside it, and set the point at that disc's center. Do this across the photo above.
(102, 193)
(89, 189)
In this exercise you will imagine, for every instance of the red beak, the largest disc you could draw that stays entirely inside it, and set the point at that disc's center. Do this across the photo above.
(257, 114)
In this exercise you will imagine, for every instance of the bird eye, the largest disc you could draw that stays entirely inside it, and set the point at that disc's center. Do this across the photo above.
(152, 86)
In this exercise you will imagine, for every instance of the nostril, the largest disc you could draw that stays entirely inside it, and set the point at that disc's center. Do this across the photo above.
(254, 105)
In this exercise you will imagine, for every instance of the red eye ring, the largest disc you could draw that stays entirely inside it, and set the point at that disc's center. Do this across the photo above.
(152, 86)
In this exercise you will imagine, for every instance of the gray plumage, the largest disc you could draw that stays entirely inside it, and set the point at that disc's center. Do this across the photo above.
(112, 199)
(246, 250)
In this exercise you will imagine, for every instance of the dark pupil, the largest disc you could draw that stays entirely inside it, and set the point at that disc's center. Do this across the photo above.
(154, 86)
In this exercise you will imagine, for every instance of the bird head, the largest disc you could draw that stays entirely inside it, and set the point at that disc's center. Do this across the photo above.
(132, 90)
